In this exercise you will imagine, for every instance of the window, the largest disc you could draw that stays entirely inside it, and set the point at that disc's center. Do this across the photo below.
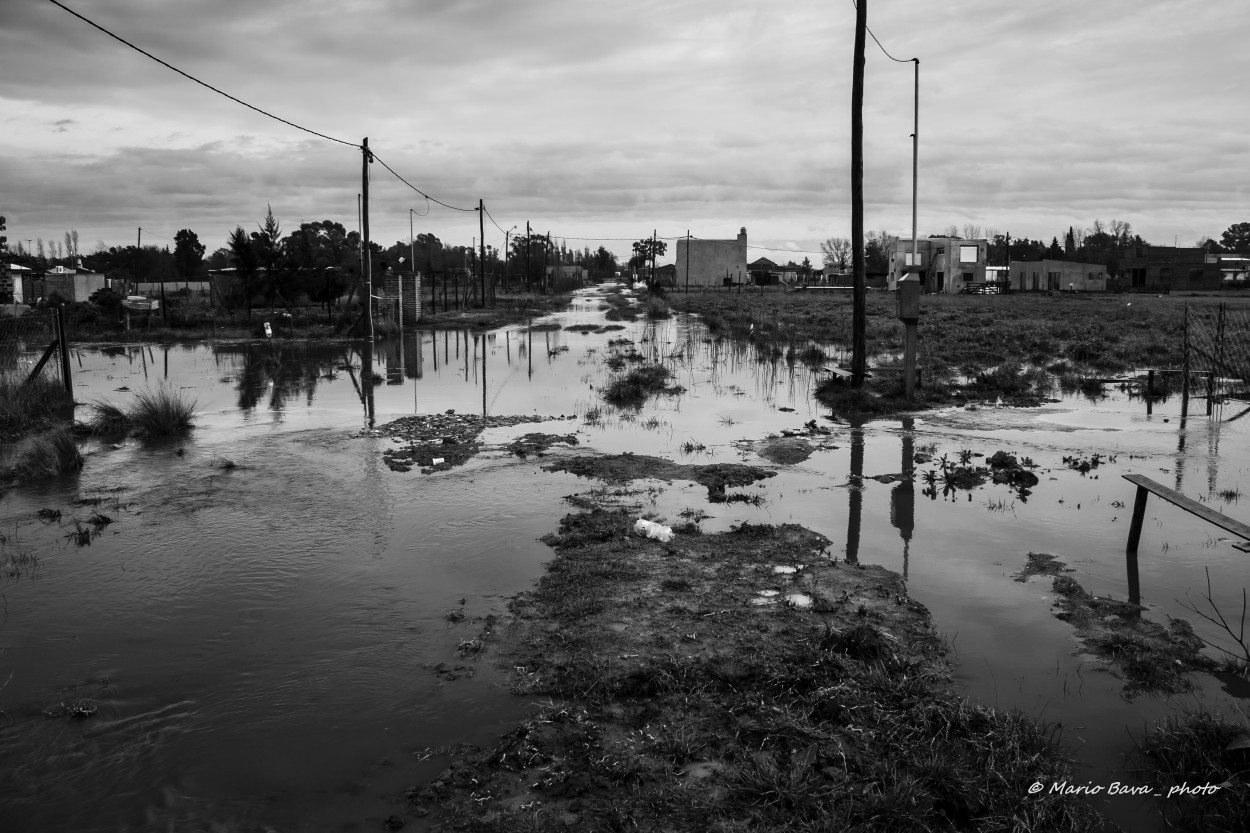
(967, 277)
(907, 259)
(967, 254)
(1195, 274)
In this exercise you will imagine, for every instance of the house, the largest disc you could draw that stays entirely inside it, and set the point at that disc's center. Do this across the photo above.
(1168, 268)
(1057, 276)
(945, 264)
(763, 272)
(74, 285)
(707, 262)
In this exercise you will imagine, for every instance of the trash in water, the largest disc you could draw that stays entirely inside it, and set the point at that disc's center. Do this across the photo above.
(438, 461)
(653, 530)
(787, 570)
(799, 599)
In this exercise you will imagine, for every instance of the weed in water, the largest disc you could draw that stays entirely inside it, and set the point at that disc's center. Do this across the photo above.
(1229, 495)
(47, 455)
(163, 412)
(634, 388)
(109, 420)
(26, 407)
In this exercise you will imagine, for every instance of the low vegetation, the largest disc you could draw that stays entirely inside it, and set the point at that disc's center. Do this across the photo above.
(24, 408)
(633, 388)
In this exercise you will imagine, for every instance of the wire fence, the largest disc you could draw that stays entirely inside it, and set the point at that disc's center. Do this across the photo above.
(31, 346)
(1218, 342)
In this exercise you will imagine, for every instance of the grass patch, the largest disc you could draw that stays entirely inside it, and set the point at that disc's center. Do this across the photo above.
(46, 455)
(25, 408)
(109, 420)
(632, 389)
(1197, 749)
(163, 412)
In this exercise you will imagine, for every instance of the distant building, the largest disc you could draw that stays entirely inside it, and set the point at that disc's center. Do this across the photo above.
(1057, 275)
(710, 261)
(1169, 268)
(74, 285)
(945, 264)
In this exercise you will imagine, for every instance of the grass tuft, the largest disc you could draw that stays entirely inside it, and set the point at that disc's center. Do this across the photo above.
(163, 412)
(109, 420)
(46, 455)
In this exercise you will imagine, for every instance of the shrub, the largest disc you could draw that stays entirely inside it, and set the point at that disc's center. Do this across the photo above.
(24, 407)
(109, 420)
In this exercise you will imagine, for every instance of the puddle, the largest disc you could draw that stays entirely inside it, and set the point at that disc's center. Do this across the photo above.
(261, 641)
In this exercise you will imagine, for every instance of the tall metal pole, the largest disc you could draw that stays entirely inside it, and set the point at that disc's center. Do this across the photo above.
(859, 319)
(915, 165)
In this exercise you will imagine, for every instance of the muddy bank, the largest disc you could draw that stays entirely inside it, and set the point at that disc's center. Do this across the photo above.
(746, 680)
(438, 442)
(1147, 655)
(619, 468)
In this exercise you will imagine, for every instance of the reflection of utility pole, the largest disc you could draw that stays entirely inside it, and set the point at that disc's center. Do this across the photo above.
(854, 517)
(903, 495)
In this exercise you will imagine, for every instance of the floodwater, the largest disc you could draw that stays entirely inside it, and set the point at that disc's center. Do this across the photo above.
(263, 642)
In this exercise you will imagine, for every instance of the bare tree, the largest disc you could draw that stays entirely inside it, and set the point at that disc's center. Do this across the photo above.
(972, 231)
(837, 252)
(951, 231)
(1122, 231)
(39, 247)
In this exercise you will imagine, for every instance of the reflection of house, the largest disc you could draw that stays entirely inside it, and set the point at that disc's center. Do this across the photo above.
(1057, 275)
(711, 260)
(1180, 268)
(945, 264)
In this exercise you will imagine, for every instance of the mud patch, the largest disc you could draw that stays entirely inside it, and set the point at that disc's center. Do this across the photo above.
(1147, 655)
(675, 700)
(536, 444)
(785, 451)
(438, 442)
(620, 468)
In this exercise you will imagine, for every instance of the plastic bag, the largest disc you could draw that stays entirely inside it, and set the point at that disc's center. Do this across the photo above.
(653, 530)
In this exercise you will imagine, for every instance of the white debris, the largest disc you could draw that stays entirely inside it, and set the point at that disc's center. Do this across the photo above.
(653, 530)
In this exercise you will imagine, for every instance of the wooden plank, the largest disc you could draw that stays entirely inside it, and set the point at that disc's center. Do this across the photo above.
(1200, 509)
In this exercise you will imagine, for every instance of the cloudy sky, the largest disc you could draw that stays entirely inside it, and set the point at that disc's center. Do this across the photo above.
(602, 119)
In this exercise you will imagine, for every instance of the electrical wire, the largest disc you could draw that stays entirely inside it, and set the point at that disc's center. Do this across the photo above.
(882, 48)
(198, 81)
(492, 219)
(378, 159)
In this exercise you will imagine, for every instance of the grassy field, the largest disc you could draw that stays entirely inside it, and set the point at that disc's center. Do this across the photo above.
(1015, 346)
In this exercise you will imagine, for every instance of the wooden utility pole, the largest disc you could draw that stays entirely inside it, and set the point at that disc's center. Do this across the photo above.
(687, 261)
(481, 258)
(652, 257)
(527, 255)
(546, 251)
(859, 319)
(366, 158)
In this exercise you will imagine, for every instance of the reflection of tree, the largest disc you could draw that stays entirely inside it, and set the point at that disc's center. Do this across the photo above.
(280, 370)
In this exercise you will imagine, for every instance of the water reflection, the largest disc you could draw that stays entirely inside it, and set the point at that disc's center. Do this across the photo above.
(903, 495)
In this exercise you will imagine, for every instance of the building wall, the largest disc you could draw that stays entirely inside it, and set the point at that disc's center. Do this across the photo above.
(711, 260)
(1057, 276)
(941, 266)
(1177, 268)
(76, 287)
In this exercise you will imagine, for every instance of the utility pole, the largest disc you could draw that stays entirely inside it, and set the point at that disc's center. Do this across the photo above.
(652, 257)
(366, 158)
(687, 261)
(481, 258)
(859, 325)
(527, 255)
(545, 251)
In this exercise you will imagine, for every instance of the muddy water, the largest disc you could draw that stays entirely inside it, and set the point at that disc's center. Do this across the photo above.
(263, 642)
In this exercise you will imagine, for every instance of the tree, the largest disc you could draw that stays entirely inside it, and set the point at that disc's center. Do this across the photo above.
(646, 251)
(836, 252)
(245, 261)
(877, 252)
(188, 253)
(1055, 251)
(972, 231)
(4, 241)
(1236, 238)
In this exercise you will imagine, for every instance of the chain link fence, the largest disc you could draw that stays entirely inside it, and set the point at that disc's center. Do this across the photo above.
(32, 346)
(1218, 350)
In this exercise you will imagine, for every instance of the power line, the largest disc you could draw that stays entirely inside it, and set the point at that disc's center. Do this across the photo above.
(882, 48)
(198, 81)
(378, 159)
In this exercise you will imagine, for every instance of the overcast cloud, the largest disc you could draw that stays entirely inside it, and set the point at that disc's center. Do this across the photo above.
(600, 119)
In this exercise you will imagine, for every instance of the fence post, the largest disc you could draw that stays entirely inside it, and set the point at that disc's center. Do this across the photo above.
(1185, 365)
(63, 338)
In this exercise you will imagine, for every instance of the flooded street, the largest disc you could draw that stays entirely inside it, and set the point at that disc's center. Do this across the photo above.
(269, 623)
